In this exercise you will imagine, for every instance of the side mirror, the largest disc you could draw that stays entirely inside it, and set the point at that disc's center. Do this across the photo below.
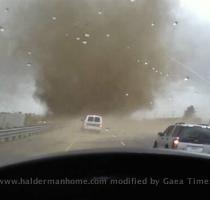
(161, 134)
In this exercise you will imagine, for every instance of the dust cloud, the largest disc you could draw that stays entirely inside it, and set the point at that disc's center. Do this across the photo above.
(94, 55)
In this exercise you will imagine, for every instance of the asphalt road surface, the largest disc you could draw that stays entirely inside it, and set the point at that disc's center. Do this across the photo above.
(67, 136)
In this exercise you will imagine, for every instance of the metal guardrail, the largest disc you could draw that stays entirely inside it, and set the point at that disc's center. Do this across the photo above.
(20, 133)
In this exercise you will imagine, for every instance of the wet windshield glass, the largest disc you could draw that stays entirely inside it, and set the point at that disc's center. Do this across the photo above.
(139, 65)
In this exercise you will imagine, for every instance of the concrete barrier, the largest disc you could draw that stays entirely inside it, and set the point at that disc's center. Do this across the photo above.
(11, 120)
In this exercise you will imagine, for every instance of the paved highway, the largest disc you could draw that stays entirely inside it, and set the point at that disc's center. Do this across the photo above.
(67, 136)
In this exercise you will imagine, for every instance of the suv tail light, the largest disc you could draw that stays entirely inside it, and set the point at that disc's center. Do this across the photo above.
(175, 143)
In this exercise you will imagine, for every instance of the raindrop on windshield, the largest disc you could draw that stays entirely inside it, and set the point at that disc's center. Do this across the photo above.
(108, 35)
(156, 71)
(153, 68)
(175, 23)
(138, 61)
(132, 0)
(66, 35)
(54, 18)
(161, 73)
(153, 24)
(84, 42)
(28, 64)
(151, 103)
(126, 94)
(87, 35)
(6, 10)
(29, 53)
(100, 12)
(186, 78)
(2, 29)
(77, 38)
(146, 63)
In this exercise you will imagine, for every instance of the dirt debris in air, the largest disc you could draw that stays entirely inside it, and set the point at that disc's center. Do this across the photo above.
(74, 78)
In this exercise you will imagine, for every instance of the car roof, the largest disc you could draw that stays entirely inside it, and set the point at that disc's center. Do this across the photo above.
(94, 116)
(193, 125)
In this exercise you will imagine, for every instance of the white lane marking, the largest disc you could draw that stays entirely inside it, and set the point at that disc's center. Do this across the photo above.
(68, 147)
(122, 143)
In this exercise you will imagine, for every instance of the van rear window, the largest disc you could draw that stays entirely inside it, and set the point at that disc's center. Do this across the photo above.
(97, 119)
(90, 119)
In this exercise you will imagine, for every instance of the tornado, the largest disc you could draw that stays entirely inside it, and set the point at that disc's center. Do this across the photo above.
(98, 56)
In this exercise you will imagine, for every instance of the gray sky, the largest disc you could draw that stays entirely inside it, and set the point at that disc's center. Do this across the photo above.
(188, 58)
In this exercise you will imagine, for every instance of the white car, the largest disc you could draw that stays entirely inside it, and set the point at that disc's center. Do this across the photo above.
(186, 137)
(93, 123)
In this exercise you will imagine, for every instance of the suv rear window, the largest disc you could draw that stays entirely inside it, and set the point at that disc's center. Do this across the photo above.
(195, 135)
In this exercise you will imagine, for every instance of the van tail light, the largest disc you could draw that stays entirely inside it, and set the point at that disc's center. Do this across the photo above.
(175, 143)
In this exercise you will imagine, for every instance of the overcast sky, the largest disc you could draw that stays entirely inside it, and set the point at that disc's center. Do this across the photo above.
(188, 58)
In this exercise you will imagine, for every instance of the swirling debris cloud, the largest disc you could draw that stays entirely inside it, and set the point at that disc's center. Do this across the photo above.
(95, 56)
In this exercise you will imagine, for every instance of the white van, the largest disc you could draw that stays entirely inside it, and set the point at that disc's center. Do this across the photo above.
(92, 122)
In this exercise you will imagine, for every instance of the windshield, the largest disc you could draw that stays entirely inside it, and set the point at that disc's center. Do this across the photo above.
(132, 68)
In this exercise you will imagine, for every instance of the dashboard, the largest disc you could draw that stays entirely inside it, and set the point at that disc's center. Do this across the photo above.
(105, 169)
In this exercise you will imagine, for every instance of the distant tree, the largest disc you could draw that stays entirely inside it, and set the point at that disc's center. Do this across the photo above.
(189, 113)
